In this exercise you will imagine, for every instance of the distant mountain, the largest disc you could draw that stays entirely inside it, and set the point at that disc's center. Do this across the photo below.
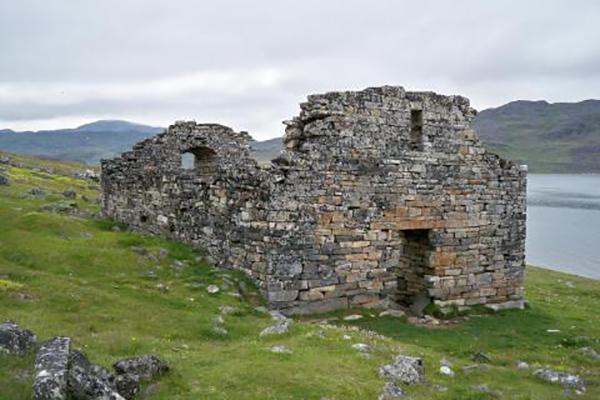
(87, 143)
(549, 137)
(266, 150)
(558, 137)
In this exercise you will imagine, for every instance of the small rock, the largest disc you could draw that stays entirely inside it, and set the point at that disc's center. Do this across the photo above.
(162, 287)
(569, 284)
(150, 274)
(146, 367)
(277, 329)
(163, 253)
(392, 313)
(219, 320)
(22, 296)
(36, 191)
(261, 309)
(404, 369)
(115, 228)
(224, 310)
(522, 365)
(476, 367)
(220, 330)
(353, 317)
(4, 181)
(440, 388)
(562, 378)
(69, 194)
(178, 265)
(346, 337)
(391, 391)
(445, 370)
(243, 288)
(212, 289)
(362, 347)
(280, 349)
(277, 315)
(590, 353)
(445, 363)
(419, 302)
(481, 388)
(553, 330)
(62, 207)
(321, 333)
(51, 364)
(480, 357)
(139, 250)
(14, 340)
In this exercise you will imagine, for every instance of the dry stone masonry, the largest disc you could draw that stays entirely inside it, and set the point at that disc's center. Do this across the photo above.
(381, 198)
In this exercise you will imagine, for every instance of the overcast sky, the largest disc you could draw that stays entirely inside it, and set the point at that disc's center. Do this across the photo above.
(248, 64)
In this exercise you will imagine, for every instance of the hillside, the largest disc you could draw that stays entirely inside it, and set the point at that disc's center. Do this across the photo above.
(119, 293)
(88, 143)
(559, 137)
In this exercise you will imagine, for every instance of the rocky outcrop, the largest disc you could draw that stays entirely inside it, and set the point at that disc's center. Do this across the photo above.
(146, 367)
(568, 381)
(91, 382)
(381, 197)
(62, 373)
(404, 369)
(14, 340)
(51, 369)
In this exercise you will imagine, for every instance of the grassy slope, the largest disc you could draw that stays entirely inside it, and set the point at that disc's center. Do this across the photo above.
(86, 282)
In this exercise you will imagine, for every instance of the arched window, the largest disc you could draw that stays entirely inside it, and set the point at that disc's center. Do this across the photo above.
(202, 160)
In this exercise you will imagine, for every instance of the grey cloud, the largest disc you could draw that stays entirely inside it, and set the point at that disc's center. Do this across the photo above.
(110, 54)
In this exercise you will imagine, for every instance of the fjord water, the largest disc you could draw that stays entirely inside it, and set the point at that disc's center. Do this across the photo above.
(563, 223)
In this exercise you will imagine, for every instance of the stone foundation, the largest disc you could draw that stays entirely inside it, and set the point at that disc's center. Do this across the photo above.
(379, 196)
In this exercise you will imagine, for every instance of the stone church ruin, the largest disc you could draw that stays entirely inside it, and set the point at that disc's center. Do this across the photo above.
(380, 198)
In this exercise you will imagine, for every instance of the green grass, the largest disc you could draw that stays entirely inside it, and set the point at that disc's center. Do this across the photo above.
(73, 275)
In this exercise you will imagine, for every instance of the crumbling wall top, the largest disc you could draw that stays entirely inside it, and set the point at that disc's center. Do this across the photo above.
(379, 123)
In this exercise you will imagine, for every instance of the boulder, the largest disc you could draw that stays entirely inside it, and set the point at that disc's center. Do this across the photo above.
(393, 313)
(391, 391)
(361, 347)
(280, 349)
(69, 194)
(90, 382)
(277, 315)
(51, 367)
(146, 367)
(127, 385)
(568, 381)
(14, 340)
(36, 191)
(590, 353)
(4, 181)
(212, 289)
(277, 329)
(404, 369)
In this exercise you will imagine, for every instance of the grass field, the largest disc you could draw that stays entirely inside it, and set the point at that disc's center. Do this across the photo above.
(72, 274)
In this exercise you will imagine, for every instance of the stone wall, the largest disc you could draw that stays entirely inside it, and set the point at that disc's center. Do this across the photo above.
(379, 198)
